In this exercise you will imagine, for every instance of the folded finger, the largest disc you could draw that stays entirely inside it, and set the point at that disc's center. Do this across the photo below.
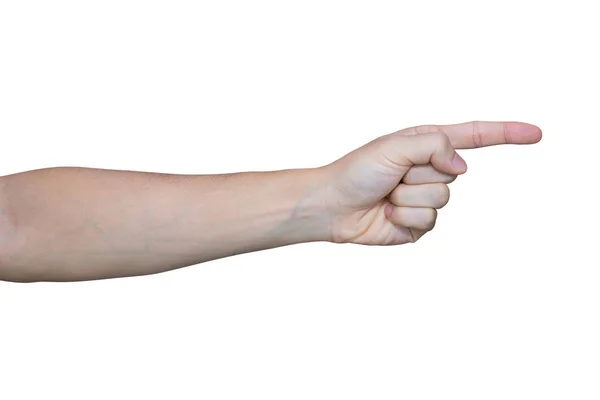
(429, 195)
(411, 217)
(419, 174)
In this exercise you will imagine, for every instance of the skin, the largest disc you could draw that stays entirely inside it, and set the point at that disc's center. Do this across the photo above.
(70, 224)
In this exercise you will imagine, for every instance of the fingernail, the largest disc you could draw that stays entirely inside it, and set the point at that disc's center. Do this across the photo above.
(388, 210)
(522, 133)
(459, 163)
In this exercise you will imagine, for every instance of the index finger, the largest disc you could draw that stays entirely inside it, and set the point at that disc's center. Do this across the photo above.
(470, 135)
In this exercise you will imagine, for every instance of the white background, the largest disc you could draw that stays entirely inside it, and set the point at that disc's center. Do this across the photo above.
(501, 300)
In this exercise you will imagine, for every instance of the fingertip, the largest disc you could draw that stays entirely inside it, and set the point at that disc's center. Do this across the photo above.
(522, 133)
(388, 210)
(459, 164)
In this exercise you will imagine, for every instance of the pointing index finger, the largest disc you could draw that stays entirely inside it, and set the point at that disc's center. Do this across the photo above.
(485, 133)
(470, 135)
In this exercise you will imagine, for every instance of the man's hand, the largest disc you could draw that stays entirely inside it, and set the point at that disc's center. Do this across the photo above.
(387, 191)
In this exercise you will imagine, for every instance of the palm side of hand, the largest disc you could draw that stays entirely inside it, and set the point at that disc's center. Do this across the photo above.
(377, 200)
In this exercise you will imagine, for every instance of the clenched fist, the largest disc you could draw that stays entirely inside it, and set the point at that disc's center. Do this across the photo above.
(388, 191)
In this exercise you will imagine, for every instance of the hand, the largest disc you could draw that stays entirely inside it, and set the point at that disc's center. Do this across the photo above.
(387, 191)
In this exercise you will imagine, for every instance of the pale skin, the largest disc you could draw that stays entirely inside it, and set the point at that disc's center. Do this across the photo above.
(71, 224)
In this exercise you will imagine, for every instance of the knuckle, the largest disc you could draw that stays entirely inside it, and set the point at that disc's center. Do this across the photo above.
(409, 131)
(414, 175)
(395, 195)
(421, 129)
(429, 219)
(441, 139)
(442, 194)
(439, 136)
(477, 136)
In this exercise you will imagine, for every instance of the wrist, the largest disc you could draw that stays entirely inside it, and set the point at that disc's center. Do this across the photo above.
(309, 218)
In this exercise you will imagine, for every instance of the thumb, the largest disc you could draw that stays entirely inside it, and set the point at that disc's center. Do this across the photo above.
(427, 148)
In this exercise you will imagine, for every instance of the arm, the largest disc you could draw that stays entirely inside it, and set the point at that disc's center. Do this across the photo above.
(64, 224)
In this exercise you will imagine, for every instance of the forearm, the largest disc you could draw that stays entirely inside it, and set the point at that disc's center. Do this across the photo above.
(63, 224)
